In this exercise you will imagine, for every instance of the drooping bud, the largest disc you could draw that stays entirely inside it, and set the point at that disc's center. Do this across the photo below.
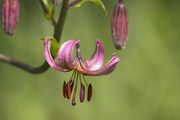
(89, 95)
(82, 92)
(10, 14)
(120, 25)
(55, 2)
(64, 89)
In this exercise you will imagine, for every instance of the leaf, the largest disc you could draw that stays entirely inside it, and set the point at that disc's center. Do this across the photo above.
(98, 2)
(50, 13)
(51, 10)
(54, 47)
(47, 3)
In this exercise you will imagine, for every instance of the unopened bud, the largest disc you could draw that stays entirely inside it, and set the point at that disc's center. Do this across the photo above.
(10, 14)
(120, 25)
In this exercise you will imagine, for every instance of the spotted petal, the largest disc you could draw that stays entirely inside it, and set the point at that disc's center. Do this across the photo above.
(65, 54)
(106, 69)
(49, 58)
(96, 60)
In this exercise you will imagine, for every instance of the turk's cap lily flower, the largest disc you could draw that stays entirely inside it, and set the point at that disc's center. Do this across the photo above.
(65, 62)
(92, 67)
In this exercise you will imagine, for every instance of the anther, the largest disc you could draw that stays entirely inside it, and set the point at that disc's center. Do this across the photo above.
(82, 92)
(64, 89)
(68, 89)
(89, 95)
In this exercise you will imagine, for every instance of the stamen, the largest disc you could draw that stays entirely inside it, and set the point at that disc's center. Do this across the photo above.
(73, 75)
(82, 92)
(64, 89)
(89, 95)
(75, 89)
(72, 85)
(85, 80)
(68, 88)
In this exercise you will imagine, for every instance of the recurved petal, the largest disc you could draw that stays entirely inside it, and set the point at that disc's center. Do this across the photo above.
(48, 56)
(65, 54)
(95, 62)
(61, 55)
(107, 69)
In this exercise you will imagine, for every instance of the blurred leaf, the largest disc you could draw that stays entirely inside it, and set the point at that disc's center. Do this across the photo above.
(51, 10)
(48, 3)
(50, 13)
(98, 2)
(54, 47)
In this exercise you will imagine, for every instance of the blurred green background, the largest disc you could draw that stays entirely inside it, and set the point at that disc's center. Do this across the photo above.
(145, 85)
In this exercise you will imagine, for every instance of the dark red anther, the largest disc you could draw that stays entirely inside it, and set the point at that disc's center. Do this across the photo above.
(82, 92)
(64, 89)
(120, 25)
(68, 89)
(89, 95)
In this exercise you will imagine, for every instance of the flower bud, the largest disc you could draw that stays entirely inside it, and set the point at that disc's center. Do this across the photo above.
(120, 25)
(10, 14)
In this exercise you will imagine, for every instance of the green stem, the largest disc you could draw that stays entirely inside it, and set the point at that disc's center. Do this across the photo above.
(58, 28)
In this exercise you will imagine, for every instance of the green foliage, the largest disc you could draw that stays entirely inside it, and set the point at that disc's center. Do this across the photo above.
(98, 2)
(51, 10)
(54, 47)
(145, 85)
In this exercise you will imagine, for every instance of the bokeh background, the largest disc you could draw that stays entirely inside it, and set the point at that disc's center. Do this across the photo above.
(145, 85)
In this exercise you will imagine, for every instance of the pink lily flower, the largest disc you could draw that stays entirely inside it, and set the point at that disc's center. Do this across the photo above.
(81, 68)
